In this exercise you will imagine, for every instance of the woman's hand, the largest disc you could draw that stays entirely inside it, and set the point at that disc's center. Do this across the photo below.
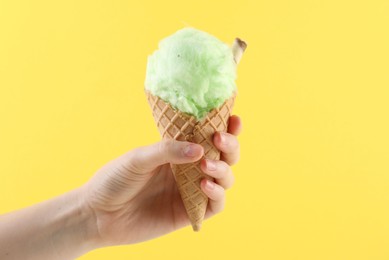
(135, 198)
(129, 200)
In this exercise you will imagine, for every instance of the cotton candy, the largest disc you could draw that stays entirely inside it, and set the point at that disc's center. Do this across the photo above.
(193, 71)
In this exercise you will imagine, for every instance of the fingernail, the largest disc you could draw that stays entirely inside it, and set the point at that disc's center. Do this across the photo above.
(209, 185)
(223, 138)
(211, 165)
(190, 151)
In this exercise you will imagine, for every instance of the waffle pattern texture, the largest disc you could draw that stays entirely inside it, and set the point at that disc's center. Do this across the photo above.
(174, 124)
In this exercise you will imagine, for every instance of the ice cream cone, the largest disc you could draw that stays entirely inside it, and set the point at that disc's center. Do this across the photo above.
(174, 124)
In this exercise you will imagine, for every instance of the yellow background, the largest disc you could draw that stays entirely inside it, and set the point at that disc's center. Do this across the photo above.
(313, 180)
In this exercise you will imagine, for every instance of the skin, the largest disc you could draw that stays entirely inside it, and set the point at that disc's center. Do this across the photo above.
(131, 199)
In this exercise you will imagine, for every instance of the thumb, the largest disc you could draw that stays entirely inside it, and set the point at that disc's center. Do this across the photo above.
(148, 158)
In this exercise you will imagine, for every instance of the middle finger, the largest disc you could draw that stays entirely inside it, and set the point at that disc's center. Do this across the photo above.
(229, 146)
(220, 171)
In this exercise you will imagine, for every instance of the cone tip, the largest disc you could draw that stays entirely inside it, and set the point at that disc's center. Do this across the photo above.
(196, 227)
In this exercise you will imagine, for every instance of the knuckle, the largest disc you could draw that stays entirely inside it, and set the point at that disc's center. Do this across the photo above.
(232, 148)
(235, 159)
(132, 162)
(235, 144)
(231, 181)
(221, 207)
(229, 139)
(231, 159)
(222, 193)
(224, 169)
(218, 201)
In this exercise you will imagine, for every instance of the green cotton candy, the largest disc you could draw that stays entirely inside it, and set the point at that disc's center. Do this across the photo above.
(192, 71)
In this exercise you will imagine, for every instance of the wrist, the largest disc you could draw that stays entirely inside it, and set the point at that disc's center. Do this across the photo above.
(73, 225)
(88, 218)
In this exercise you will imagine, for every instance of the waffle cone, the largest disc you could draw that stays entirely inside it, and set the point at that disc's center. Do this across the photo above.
(174, 124)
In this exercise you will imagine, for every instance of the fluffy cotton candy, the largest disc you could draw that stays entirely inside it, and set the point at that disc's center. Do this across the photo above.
(193, 71)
